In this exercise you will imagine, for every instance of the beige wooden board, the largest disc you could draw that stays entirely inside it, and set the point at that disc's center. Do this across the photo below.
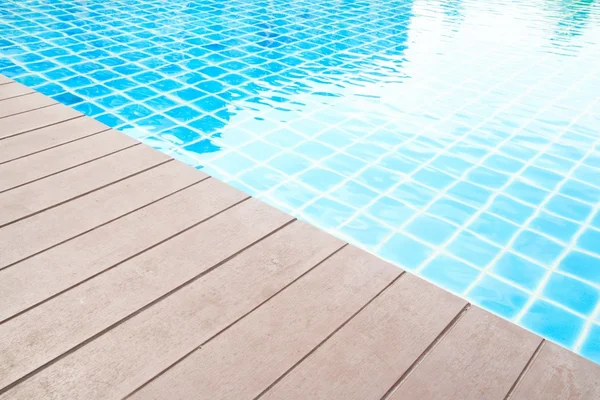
(75, 316)
(41, 231)
(50, 136)
(558, 374)
(129, 355)
(35, 119)
(367, 356)
(244, 360)
(480, 358)
(12, 90)
(25, 103)
(63, 266)
(4, 80)
(56, 189)
(61, 158)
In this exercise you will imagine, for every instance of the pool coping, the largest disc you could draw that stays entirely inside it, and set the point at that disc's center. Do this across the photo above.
(260, 305)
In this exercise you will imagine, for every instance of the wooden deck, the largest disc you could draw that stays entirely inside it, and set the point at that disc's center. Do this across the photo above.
(126, 274)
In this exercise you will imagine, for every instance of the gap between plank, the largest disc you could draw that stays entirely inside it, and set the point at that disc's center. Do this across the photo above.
(142, 309)
(427, 351)
(86, 193)
(227, 327)
(69, 168)
(336, 330)
(45, 126)
(121, 261)
(525, 370)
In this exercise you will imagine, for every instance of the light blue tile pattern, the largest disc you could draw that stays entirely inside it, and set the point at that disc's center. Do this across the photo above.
(457, 139)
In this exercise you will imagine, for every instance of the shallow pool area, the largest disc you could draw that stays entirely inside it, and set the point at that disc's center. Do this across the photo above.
(459, 140)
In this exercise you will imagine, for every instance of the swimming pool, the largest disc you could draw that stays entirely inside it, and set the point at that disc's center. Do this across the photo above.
(457, 139)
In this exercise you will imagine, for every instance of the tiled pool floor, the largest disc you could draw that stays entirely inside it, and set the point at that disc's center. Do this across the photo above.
(457, 139)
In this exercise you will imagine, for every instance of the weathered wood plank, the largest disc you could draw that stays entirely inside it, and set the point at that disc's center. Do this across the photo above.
(129, 355)
(63, 266)
(558, 374)
(35, 119)
(75, 316)
(13, 89)
(367, 356)
(58, 159)
(56, 189)
(242, 361)
(41, 231)
(24, 103)
(48, 137)
(480, 358)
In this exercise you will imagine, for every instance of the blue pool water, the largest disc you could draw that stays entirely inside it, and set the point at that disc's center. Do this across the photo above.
(457, 139)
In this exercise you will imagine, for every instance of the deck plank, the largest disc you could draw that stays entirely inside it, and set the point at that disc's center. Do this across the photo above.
(480, 358)
(13, 89)
(24, 103)
(76, 315)
(35, 119)
(48, 192)
(244, 360)
(46, 163)
(41, 231)
(63, 266)
(366, 357)
(5, 80)
(129, 355)
(558, 374)
(48, 137)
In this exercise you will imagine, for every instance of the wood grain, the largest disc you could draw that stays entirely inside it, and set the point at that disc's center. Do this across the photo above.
(18, 146)
(480, 358)
(45, 332)
(35, 119)
(558, 374)
(12, 90)
(367, 356)
(244, 360)
(61, 158)
(129, 355)
(41, 231)
(24, 103)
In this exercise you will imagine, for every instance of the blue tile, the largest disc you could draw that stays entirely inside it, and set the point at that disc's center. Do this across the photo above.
(392, 211)
(88, 109)
(553, 323)
(527, 193)
(354, 194)
(210, 103)
(68, 99)
(378, 178)
(510, 209)
(590, 241)
(133, 112)
(413, 193)
(183, 114)
(469, 193)
(141, 93)
(160, 103)
(431, 229)
(290, 163)
(486, 177)
(582, 265)
(571, 293)
(260, 150)
(451, 210)
(180, 135)
(498, 297)
(581, 191)
(294, 193)
(110, 120)
(404, 251)
(344, 164)
(450, 273)
(519, 271)
(328, 213)
(233, 163)
(541, 249)
(365, 231)
(542, 178)
(568, 208)
(493, 228)
(554, 226)
(470, 248)
(591, 344)
(433, 178)
(320, 179)
(262, 178)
